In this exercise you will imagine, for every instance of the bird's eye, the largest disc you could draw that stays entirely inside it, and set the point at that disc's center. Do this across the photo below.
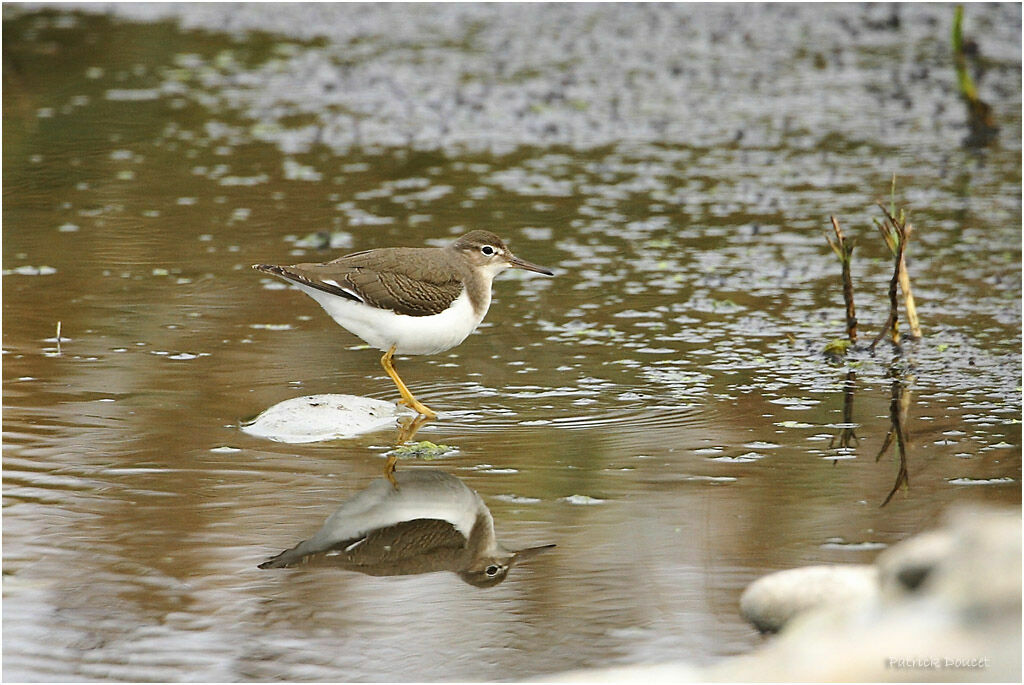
(492, 570)
(488, 250)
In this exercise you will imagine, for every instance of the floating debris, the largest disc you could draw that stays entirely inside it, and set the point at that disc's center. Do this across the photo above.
(27, 270)
(581, 499)
(518, 499)
(708, 479)
(839, 543)
(793, 424)
(424, 449)
(981, 481)
(271, 326)
(739, 459)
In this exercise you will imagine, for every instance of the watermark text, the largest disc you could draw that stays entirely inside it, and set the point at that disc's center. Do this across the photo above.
(937, 662)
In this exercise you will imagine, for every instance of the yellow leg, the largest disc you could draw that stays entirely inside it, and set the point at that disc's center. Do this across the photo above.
(389, 470)
(407, 397)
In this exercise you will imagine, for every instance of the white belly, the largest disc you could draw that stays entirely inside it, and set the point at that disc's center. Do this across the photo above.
(383, 328)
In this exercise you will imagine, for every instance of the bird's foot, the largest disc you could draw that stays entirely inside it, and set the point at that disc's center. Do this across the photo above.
(407, 428)
(418, 407)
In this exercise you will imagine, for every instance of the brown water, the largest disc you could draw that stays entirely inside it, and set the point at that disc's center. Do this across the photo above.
(660, 410)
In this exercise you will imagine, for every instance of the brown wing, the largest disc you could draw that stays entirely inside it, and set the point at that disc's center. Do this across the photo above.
(395, 279)
(417, 546)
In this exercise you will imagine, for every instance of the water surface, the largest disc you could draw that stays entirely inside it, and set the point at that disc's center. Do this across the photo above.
(661, 410)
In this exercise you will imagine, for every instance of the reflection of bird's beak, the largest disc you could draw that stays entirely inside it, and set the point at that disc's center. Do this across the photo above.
(529, 553)
(517, 263)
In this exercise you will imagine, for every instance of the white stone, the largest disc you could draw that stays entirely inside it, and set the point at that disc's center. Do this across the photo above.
(315, 418)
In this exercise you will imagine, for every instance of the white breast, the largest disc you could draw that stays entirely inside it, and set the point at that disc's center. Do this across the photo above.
(383, 328)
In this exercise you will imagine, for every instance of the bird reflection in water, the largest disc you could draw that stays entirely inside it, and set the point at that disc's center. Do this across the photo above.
(430, 522)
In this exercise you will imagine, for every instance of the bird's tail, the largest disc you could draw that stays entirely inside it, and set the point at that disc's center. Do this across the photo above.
(289, 557)
(273, 270)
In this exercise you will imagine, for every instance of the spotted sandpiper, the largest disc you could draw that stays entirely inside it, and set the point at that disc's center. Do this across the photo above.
(409, 300)
(433, 522)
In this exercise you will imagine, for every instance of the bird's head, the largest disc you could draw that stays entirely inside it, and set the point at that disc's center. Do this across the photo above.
(485, 250)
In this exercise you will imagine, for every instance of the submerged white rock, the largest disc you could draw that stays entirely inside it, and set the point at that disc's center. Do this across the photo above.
(770, 602)
(315, 418)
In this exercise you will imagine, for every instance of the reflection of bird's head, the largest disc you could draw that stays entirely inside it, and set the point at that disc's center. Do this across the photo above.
(491, 570)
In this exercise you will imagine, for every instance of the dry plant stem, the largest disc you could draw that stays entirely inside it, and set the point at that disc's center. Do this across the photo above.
(908, 302)
(908, 295)
(892, 324)
(890, 230)
(844, 250)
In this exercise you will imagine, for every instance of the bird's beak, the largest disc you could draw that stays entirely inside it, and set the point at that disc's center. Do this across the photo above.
(529, 553)
(517, 263)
